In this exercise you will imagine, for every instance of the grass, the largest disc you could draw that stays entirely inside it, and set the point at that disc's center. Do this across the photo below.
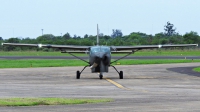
(35, 53)
(197, 69)
(155, 61)
(39, 63)
(162, 52)
(61, 62)
(47, 101)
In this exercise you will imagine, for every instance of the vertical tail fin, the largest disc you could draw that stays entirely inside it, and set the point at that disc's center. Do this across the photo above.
(97, 35)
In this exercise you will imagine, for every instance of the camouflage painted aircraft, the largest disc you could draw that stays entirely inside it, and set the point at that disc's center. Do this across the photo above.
(99, 56)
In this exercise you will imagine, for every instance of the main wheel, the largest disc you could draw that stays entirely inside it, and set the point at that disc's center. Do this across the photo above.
(121, 75)
(78, 75)
(101, 76)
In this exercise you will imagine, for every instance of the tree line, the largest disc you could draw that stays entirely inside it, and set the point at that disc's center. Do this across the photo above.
(170, 36)
(134, 38)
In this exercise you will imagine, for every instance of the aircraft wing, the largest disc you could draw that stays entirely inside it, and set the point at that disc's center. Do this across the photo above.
(71, 47)
(115, 48)
(119, 48)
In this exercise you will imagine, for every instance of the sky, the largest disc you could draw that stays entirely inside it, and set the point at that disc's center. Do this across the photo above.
(27, 18)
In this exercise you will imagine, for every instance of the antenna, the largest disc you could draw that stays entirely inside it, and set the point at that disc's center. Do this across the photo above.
(97, 35)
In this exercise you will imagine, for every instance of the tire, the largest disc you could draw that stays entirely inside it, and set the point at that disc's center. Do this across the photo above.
(78, 75)
(101, 76)
(121, 75)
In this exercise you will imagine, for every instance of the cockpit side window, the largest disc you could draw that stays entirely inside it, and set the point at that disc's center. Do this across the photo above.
(95, 49)
(100, 49)
(105, 49)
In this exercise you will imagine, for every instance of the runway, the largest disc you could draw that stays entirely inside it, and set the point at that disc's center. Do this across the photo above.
(86, 57)
(157, 87)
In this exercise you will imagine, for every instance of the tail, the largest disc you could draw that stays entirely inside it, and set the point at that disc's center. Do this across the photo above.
(97, 35)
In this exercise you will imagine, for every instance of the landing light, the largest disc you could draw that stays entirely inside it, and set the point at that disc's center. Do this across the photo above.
(2, 43)
(39, 45)
(159, 46)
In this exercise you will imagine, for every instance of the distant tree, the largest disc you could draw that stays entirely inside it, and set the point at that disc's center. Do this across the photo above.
(149, 40)
(176, 39)
(163, 41)
(1, 38)
(116, 33)
(66, 36)
(101, 34)
(134, 38)
(75, 36)
(78, 37)
(86, 42)
(106, 37)
(46, 39)
(12, 40)
(159, 38)
(1, 47)
(137, 38)
(169, 30)
(191, 38)
(86, 36)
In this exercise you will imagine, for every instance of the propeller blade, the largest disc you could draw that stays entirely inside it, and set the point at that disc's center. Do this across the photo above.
(94, 65)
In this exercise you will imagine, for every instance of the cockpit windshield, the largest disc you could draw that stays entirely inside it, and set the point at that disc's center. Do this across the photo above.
(100, 49)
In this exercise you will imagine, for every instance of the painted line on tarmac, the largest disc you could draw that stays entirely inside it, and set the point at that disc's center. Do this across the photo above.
(117, 84)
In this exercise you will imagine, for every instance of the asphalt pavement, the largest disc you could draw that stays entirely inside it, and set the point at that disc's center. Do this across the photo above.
(155, 87)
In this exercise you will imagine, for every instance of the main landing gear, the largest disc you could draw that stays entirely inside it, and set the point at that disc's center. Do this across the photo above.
(78, 73)
(120, 73)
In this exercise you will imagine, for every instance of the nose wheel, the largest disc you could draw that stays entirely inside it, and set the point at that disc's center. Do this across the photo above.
(101, 76)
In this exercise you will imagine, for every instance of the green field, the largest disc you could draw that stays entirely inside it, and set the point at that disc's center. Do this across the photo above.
(47, 101)
(61, 62)
(162, 52)
(197, 69)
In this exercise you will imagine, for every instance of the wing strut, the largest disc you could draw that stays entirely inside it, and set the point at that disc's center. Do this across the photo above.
(124, 56)
(78, 57)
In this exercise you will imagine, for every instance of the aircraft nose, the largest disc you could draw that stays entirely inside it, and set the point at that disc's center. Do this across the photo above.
(100, 55)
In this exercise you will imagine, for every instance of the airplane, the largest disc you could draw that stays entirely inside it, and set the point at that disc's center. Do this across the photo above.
(99, 55)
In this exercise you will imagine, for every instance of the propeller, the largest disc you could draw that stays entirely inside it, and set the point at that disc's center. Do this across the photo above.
(94, 65)
(98, 60)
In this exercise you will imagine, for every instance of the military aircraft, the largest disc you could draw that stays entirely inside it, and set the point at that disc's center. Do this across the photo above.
(99, 55)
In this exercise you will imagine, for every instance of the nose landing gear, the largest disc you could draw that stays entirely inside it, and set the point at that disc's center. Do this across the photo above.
(100, 75)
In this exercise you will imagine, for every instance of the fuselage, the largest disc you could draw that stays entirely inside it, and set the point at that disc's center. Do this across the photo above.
(100, 57)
